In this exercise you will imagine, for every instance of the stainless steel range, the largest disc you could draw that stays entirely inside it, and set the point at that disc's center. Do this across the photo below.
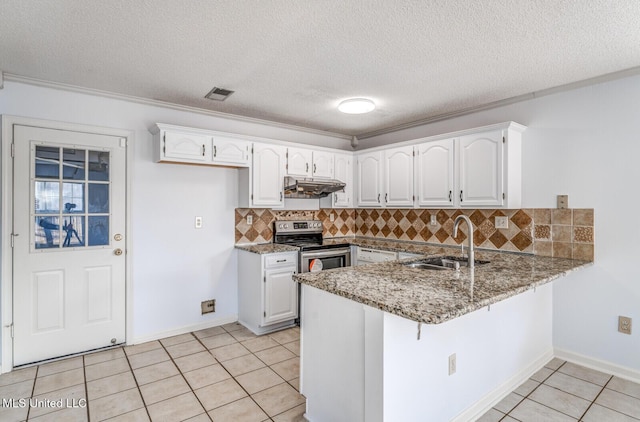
(315, 254)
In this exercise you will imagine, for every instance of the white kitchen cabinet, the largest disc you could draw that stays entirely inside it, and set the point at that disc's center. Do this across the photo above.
(435, 165)
(343, 170)
(369, 173)
(182, 146)
(481, 169)
(398, 177)
(308, 163)
(177, 144)
(231, 151)
(299, 162)
(267, 294)
(267, 176)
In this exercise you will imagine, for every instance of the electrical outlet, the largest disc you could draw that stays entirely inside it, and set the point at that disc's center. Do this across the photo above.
(198, 222)
(433, 220)
(624, 324)
(452, 364)
(502, 222)
(563, 201)
(249, 219)
(332, 217)
(208, 306)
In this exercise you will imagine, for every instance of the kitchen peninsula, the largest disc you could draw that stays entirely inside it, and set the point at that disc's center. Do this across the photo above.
(387, 342)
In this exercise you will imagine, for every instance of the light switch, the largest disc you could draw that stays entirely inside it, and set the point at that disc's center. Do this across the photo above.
(198, 222)
(433, 220)
(249, 219)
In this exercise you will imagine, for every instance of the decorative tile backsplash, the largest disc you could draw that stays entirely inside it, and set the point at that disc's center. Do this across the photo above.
(565, 233)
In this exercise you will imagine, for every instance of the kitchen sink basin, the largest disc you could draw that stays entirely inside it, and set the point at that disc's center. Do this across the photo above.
(443, 263)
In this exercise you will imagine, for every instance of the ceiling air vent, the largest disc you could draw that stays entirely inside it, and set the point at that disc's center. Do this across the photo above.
(218, 94)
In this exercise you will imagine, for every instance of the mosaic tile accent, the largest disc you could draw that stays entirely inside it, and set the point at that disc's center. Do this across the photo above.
(261, 231)
(563, 233)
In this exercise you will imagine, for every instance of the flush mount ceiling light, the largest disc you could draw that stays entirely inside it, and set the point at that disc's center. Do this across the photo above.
(356, 106)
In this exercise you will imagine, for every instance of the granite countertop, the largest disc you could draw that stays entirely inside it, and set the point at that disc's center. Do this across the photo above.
(264, 248)
(433, 297)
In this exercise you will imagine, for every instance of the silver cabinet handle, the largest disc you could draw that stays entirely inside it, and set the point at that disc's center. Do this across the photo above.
(215, 151)
(460, 196)
(386, 195)
(314, 169)
(450, 196)
(203, 150)
(281, 196)
(307, 167)
(378, 198)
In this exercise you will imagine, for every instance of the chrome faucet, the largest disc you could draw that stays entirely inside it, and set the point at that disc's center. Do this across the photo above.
(470, 237)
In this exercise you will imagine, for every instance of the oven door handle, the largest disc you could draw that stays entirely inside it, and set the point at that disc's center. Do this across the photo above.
(323, 254)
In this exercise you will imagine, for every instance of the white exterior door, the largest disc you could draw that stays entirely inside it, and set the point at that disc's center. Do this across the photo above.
(69, 250)
(398, 170)
(435, 174)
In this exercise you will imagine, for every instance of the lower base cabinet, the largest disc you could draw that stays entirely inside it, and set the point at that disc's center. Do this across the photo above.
(267, 294)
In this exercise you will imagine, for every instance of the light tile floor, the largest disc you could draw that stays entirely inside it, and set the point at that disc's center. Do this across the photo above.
(563, 391)
(219, 374)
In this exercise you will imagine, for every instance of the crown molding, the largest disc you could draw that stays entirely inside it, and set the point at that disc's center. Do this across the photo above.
(507, 101)
(146, 101)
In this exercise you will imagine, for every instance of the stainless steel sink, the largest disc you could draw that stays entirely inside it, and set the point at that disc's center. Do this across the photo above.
(442, 263)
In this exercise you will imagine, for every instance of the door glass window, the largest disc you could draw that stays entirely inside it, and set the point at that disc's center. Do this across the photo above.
(71, 204)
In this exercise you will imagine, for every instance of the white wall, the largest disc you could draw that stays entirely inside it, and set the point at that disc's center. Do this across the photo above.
(175, 266)
(584, 143)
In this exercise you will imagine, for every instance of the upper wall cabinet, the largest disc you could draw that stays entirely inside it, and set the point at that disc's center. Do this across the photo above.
(435, 174)
(198, 146)
(369, 170)
(308, 163)
(398, 177)
(475, 170)
(343, 169)
(268, 175)
(385, 178)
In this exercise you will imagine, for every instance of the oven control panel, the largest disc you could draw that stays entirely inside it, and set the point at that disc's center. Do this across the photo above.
(308, 226)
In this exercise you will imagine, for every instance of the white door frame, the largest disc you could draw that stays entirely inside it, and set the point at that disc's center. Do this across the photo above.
(6, 222)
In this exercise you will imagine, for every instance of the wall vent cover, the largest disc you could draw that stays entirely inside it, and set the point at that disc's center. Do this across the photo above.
(218, 94)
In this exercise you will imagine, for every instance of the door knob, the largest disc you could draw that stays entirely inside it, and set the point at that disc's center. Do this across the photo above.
(118, 252)
(117, 237)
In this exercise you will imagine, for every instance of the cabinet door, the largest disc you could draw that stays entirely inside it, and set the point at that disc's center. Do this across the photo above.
(398, 177)
(299, 162)
(280, 295)
(322, 165)
(435, 173)
(268, 175)
(230, 151)
(344, 172)
(481, 169)
(186, 147)
(369, 183)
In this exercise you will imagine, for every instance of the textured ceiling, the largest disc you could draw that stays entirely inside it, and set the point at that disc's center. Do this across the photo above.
(294, 61)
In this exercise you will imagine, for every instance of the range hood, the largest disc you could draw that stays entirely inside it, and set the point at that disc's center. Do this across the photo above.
(310, 188)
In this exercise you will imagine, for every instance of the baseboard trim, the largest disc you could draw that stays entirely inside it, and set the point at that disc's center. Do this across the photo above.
(183, 330)
(599, 365)
(480, 407)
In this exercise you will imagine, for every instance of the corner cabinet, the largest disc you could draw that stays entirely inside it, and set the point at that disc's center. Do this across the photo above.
(262, 184)
(267, 293)
(176, 144)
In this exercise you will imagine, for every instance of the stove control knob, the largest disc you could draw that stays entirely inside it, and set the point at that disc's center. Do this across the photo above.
(286, 226)
(317, 225)
(280, 226)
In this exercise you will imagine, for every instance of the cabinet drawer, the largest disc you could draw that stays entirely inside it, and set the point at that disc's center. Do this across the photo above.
(280, 260)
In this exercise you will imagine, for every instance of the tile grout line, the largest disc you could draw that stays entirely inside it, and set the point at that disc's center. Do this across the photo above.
(232, 377)
(33, 390)
(553, 371)
(182, 374)
(144, 403)
(596, 398)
